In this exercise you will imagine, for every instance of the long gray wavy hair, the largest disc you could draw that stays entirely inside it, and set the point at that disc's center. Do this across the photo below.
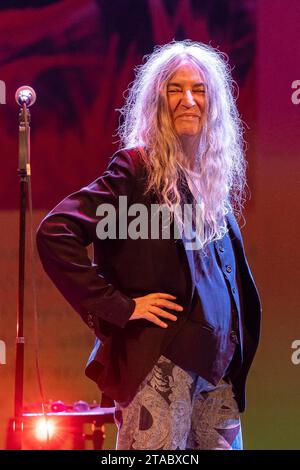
(218, 174)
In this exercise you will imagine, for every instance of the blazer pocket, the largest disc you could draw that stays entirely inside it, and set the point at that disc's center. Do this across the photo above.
(204, 325)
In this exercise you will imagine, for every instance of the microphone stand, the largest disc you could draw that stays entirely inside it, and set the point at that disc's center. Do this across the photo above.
(24, 174)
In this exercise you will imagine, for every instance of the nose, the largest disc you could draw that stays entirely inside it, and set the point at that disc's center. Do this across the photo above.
(188, 98)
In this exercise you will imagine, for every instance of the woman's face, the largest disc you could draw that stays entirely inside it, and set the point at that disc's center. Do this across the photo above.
(186, 93)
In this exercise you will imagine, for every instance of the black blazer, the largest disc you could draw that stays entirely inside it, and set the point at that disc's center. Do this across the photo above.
(102, 291)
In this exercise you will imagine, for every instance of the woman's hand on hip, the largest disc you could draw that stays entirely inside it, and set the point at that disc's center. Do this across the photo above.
(150, 307)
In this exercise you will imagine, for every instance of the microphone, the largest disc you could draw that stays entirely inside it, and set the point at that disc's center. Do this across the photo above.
(25, 95)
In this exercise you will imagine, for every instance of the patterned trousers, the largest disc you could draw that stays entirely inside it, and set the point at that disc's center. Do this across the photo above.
(177, 409)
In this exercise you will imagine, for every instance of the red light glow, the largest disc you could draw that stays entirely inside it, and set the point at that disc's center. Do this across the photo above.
(44, 429)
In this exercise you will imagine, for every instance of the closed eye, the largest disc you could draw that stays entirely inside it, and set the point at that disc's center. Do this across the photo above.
(172, 91)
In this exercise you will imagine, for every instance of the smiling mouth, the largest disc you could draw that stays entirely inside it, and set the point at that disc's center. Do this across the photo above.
(184, 116)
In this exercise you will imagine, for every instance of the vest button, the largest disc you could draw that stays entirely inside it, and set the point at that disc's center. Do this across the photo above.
(228, 268)
(233, 337)
(221, 248)
(90, 321)
(233, 290)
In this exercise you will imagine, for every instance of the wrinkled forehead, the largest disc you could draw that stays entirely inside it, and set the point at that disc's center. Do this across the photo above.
(187, 71)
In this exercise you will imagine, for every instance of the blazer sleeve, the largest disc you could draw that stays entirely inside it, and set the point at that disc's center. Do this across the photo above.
(62, 239)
